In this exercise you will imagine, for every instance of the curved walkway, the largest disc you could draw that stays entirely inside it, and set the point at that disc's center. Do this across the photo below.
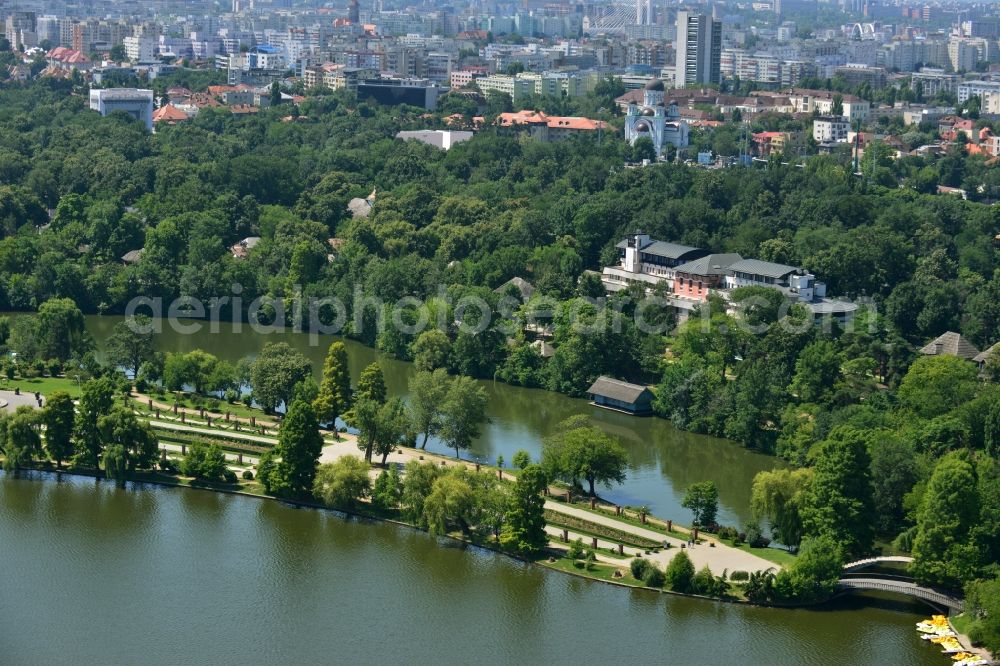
(11, 402)
(718, 558)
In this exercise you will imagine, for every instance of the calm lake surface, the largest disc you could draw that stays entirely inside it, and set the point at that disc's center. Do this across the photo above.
(664, 461)
(94, 574)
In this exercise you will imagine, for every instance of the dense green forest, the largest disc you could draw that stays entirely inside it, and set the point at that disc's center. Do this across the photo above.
(883, 439)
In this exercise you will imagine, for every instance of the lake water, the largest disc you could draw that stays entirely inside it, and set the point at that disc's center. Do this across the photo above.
(95, 574)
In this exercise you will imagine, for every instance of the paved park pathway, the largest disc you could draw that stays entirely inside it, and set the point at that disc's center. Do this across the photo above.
(10, 401)
(720, 557)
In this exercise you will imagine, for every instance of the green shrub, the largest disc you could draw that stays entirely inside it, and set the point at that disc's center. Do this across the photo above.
(576, 550)
(653, 576)
(639, 567)
(738, 576)
(54, 367)
(206, 461)
(212, 404)
(680, 572)
(755, 537)
(728, 533)
(229, 476)
(705, 582)
(579, 564)
(247, 475)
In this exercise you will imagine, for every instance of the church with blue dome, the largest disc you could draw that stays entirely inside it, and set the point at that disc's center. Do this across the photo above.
(661, 124)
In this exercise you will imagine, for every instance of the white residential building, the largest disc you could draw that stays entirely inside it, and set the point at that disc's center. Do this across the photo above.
(141, 48)
(933, 81)
(990, 102)
(699, 49)
(967, 89)
(822, 101)
(831, 129)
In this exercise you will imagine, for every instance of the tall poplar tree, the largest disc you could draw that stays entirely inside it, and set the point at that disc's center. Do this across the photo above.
(299, 447)
(334, 397)
(524, 530)
(371, 384)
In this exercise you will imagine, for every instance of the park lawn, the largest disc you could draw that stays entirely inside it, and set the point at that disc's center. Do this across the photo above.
(598, 571)
(44, 385)
(780, 557)
(963, 623)
(609, 552)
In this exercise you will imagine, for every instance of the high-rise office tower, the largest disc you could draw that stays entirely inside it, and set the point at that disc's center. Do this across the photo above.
(699, 49)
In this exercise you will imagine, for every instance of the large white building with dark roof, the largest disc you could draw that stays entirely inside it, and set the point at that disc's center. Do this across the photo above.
(692, 274)
(645, 261)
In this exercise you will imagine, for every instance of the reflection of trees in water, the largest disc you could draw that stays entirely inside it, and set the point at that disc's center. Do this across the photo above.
(293, 538)
(209, 507)
(78, 503)
(22, 492)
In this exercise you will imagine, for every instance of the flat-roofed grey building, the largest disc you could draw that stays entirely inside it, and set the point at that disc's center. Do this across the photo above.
(137, 103)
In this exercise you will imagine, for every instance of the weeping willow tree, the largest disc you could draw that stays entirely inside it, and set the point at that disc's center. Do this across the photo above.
(116, 463)
(19, 439)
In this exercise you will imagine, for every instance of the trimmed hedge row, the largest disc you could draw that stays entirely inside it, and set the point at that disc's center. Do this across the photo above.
(226, 443)
(610, 533)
